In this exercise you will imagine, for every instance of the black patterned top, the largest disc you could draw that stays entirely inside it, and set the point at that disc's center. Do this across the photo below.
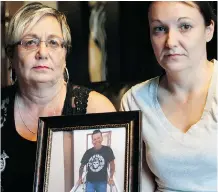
(18, 155)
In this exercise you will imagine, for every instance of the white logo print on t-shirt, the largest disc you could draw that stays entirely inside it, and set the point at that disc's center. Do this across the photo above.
(96, 163)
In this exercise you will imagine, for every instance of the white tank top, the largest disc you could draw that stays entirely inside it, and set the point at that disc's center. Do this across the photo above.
(185, 162)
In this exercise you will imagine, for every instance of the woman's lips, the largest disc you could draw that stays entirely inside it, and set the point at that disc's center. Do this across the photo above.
(174, 55)
(41, 67)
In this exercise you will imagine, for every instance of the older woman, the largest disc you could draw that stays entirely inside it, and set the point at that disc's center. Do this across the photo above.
(180, 109)
(37, 41)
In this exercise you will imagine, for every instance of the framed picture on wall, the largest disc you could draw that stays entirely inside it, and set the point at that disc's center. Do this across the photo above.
(81, 152)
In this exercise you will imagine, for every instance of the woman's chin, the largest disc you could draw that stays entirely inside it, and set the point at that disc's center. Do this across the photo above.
(44, 80)
(174, 66)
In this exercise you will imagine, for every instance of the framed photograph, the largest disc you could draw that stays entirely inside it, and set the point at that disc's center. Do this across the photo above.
(92, 152)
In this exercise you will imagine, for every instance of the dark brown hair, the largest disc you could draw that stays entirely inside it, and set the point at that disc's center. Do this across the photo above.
(206, 11)
(205, 8)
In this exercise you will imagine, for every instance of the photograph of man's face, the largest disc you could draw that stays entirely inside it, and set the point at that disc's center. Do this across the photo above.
(97, 139)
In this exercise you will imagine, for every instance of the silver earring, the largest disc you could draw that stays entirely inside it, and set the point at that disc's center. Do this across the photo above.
(12, 76)
(66, 75)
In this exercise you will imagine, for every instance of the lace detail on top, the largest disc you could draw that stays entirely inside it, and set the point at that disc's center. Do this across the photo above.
(4, 107)
(77, 100)
(80, 99)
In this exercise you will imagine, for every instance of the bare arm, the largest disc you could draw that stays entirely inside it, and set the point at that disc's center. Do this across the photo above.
(81, 171)
(112, 169)
(98, 103)
(80, 174)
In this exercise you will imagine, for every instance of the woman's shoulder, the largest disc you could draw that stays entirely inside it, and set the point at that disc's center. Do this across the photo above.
(142, 88)
(139, 94)
(98, 103)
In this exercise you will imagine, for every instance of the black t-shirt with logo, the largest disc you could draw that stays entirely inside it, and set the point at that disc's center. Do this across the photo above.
(97, 163)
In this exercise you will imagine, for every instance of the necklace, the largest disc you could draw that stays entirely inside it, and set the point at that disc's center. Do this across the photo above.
(54, 110)
(22, 117)
(18, 104)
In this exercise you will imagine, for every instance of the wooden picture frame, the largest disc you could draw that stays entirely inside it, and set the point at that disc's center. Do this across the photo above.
(64, 140)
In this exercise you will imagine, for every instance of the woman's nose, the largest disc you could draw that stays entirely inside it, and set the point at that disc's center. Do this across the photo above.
(42, 50)
(172, 39)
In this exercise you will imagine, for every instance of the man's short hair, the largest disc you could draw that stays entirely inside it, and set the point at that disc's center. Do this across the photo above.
(96, 131)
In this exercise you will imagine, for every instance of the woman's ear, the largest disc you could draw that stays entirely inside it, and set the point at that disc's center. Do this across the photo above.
(210, 31)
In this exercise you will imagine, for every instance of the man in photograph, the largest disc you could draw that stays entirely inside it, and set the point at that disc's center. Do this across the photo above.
(98, 159)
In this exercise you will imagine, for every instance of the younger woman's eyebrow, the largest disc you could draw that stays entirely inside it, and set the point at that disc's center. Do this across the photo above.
(179, 19)
(156, 20)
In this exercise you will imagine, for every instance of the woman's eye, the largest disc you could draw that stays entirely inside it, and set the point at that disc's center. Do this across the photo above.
(30, 42)
(159, 29)
(53, 42)
(185, 27)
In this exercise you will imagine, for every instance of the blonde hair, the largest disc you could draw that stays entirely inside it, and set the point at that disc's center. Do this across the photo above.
(26, 17)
